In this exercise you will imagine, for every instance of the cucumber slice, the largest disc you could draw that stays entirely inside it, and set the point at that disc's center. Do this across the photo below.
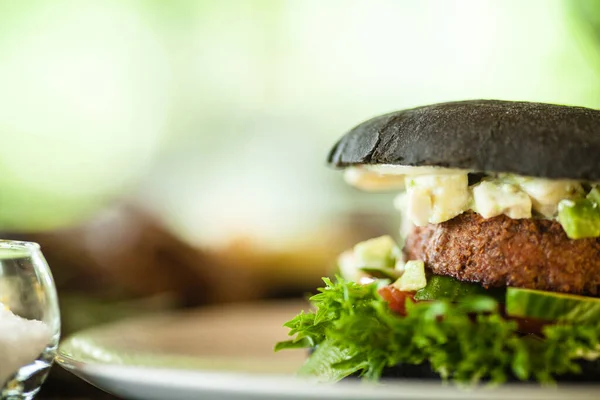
(552, 306)
(446, 288)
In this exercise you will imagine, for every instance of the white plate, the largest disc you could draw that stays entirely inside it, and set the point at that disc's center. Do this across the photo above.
(226, 353)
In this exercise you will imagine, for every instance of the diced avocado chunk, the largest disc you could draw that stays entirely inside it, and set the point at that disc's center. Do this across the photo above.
(441, 287)
(379, 252)
(381, 273)
(413, 277)
(579, 218)
(594, 195)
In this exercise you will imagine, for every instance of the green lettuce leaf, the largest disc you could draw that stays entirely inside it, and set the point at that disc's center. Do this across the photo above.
(353, 331)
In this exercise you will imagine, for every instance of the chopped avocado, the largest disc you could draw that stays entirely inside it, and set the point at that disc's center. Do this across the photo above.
(380, 252)
(552, 306)
(594, 195)
(579, 218)
(413, 277)
(446, 288)
(381, 273)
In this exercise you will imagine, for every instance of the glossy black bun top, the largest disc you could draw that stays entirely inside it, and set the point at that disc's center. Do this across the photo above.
(532, 139)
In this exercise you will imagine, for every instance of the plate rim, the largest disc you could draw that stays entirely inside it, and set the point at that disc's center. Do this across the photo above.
(270, 385)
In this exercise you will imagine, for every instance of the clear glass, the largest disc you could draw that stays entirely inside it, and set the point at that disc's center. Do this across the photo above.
(29, 319)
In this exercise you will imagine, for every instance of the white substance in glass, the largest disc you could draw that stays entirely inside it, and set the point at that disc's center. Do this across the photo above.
(21, 342)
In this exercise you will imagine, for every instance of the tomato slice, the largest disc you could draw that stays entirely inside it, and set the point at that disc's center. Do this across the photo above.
(396, 299)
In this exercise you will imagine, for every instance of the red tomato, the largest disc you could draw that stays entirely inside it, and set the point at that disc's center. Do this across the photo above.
(395, 298)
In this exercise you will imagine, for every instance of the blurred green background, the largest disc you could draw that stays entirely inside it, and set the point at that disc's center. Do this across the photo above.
(172, 153)
(217, 115)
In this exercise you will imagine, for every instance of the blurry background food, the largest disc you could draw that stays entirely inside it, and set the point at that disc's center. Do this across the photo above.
(171, 154)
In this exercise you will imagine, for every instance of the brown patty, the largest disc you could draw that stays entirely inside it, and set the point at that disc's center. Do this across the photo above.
(500, 251)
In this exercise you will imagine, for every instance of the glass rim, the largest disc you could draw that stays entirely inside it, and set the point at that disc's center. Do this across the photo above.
(8, 244)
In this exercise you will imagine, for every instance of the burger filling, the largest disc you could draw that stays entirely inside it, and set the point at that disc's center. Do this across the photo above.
(498, 279)
(432, 195)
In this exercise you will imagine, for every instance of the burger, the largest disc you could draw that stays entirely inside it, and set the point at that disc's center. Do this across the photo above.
(495, 275)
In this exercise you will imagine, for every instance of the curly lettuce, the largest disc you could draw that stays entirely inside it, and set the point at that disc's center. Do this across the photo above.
(353, 332)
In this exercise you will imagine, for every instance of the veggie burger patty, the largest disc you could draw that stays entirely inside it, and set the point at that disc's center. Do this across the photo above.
(501, 251)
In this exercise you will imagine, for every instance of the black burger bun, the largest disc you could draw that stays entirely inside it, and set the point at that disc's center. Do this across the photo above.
(530, 139)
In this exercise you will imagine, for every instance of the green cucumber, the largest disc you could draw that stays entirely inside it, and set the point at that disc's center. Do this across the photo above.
(446, 288)
(529, 303)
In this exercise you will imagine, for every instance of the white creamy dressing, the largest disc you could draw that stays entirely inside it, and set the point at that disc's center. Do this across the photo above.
(21, 342)
(494, 198)
(373, 181)
(388, 177)
(436, 198)
(545, 194)
(435, 194)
